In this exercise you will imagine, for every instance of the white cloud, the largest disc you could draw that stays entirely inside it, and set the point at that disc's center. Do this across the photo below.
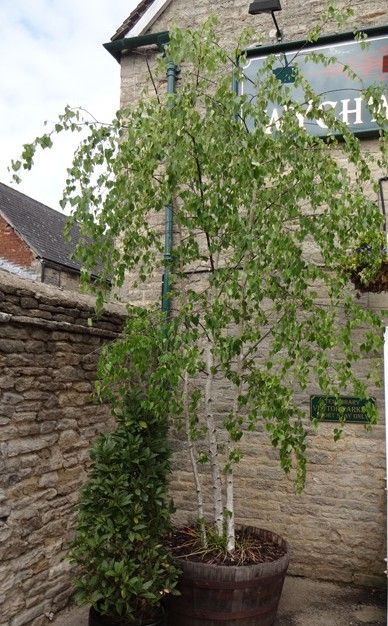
(51, 55)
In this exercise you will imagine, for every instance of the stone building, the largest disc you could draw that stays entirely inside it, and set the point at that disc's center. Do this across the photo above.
(336, 528)
(32, 242)
(48, 360)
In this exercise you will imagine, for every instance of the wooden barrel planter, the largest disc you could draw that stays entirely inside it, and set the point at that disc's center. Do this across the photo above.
(96, 619)
(214, 595)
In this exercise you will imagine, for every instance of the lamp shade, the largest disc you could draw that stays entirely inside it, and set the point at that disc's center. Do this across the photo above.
(264, 6)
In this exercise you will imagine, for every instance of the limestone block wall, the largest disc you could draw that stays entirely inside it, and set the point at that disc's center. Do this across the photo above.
(48, 358)
(336, 528)
(295, 19)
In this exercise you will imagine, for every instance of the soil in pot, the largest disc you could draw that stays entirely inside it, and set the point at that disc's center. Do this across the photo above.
(96, 619)
(217, 589)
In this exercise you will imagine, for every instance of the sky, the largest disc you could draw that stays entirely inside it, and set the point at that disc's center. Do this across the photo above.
(51, 55)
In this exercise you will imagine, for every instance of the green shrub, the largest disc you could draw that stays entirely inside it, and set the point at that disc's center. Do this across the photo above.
(124, 513)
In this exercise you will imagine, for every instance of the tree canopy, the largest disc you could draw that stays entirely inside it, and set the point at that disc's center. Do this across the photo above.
(267, 219)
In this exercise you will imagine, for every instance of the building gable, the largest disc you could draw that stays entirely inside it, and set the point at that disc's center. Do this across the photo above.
(39, 226)
(141, 18)
(13, 249)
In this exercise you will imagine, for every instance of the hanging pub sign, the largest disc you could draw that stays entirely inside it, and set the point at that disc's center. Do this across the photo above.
(332, 409)
(337, 91)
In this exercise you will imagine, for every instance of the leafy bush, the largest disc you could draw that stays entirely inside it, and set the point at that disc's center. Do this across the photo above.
(124, 512)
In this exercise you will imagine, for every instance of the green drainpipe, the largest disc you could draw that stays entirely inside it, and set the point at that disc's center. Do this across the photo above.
(172, 75)
(116, 49)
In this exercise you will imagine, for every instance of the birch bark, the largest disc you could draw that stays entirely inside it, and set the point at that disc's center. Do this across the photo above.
(230, 524)
(193, 459)
(213, 447)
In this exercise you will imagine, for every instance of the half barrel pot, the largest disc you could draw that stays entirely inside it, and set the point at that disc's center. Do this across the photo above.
(218, 595)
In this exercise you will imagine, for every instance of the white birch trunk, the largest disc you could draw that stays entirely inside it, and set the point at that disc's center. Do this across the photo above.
(213, 448)
(230, 524)
(194, 465)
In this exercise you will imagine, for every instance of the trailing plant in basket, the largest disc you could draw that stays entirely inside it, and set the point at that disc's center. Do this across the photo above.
(367, 265)
(124, 569)
(268, 214)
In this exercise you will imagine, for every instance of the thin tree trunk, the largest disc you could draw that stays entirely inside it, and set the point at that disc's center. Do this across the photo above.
(213, 448)
(230, 527)
(193, 459)
(230, 523)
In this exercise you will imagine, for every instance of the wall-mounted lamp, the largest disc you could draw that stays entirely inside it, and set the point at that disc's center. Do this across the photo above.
(267, 6)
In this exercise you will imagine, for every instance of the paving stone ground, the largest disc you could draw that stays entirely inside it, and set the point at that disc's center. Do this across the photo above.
(304, 603)
(313, 603)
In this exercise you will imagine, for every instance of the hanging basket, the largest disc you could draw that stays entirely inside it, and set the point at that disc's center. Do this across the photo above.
(377, 284)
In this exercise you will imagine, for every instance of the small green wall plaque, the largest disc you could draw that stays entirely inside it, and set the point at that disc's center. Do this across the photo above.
(332, 409)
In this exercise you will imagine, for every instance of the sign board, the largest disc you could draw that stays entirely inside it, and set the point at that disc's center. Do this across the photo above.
(337, 91)
(332, 409)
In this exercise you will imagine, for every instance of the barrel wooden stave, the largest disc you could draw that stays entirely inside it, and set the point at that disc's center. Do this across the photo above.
(214, 595)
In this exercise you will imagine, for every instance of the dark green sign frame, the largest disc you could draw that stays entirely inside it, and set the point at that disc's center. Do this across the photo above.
(336, 409)
(336, 89)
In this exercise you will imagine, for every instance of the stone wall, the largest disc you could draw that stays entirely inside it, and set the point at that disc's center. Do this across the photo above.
(48, 357)
(336, 528)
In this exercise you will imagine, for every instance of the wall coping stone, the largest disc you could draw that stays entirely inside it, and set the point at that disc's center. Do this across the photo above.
(47, 324)
(46, 306)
